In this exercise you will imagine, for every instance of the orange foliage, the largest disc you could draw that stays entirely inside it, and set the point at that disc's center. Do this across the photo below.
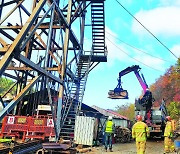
(167, 87)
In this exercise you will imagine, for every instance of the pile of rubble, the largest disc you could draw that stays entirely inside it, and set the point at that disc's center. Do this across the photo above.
(123, 135)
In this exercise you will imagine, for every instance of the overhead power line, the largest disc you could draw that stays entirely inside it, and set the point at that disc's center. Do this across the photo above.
(137, 48)
(146, 28)
(131, 56)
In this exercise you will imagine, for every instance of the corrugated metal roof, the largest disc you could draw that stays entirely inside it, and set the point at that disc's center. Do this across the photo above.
(117, 114)
(90, 111)
(109, 112)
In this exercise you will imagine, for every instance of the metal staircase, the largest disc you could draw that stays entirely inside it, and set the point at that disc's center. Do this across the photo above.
(98, 54)
(98, 28)
(74, 101)
(32, 31)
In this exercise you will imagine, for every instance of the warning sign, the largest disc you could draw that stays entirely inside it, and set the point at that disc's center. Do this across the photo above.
(11, 120)
(50, 123)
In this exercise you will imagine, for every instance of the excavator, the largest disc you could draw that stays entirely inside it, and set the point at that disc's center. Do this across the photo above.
(154, 118)
(119, 92)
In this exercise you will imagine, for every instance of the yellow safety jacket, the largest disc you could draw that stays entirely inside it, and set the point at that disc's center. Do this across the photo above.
(140, 131)
(109, 127)
(168, 132)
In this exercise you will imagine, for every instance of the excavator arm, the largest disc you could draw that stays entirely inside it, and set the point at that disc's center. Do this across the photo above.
(119, 92)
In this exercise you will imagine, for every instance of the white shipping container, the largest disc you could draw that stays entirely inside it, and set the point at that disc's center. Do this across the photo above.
(84, 130)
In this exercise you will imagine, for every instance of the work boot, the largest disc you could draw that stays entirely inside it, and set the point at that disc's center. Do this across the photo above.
(105, 149)
(110, 150)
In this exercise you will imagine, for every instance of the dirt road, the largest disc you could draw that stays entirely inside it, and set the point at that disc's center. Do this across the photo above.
(153, 147)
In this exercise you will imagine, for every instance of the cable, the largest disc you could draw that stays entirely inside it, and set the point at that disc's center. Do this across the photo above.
(138, 49)
(146, 29)
(132, 57)
(134, 47)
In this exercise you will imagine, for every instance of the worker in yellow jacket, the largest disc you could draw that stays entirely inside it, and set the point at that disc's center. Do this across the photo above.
(109, 131)
(168, 134)
(140, 132)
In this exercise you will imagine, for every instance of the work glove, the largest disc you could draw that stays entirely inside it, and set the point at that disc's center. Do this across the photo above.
(103, 133)
(114, 135)
(170, 137)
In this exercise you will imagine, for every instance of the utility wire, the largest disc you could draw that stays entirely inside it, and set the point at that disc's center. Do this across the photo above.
(146, 28)
(134, 48)
(137, 48)
(131, 56)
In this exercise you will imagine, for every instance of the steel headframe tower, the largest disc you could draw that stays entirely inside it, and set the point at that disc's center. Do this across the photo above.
(42, 50)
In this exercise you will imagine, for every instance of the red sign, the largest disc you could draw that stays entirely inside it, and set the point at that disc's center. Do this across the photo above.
(50, 123)
(11, 120)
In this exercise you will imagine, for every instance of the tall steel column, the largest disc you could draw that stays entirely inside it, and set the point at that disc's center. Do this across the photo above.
(41, 44)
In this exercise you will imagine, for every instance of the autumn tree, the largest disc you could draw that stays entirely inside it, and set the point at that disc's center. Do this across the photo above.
(167, 87)
(174, 110)
(127, 110)
(5, 84)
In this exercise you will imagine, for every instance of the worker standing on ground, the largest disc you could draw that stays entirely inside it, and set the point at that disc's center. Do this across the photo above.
(168, 134)
(109, 131)
(140, 132)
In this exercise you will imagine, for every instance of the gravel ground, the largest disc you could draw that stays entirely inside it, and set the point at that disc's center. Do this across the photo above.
(152, 147)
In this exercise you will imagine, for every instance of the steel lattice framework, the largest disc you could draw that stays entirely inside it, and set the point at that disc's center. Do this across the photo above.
(43, 50)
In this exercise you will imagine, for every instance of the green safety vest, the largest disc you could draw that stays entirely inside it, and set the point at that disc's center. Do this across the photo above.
(109, 127)
(3, 140)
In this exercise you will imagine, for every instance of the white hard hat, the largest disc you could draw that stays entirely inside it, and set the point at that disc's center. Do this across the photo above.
(110, 118)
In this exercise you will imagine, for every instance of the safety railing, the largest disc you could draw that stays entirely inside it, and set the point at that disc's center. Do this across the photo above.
(24, 127)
